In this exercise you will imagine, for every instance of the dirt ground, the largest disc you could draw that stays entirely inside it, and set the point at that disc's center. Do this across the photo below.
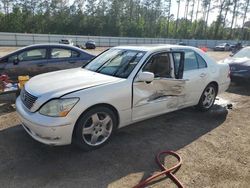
(215, 148)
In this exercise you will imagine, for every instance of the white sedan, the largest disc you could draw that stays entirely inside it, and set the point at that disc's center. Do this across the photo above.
(121, 86)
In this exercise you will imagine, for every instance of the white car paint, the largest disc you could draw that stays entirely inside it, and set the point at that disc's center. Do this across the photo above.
(131, 99)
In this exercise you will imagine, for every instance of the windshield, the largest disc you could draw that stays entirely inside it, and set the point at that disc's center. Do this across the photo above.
(245, 52)
(116, 62)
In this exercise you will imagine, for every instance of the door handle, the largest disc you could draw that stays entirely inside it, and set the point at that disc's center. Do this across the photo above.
(202, 75)
(72, 62)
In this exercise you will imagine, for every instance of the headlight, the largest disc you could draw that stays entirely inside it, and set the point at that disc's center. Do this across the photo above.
(58, 107)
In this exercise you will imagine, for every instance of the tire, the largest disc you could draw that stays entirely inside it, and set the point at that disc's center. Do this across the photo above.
(94, 128)
(207, 98)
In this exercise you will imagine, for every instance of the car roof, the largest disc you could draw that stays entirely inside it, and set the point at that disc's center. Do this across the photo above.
(50, 44)
(154, 47)
(46, 45)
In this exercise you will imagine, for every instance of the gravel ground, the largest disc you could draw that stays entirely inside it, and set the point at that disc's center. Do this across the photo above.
(215, 147)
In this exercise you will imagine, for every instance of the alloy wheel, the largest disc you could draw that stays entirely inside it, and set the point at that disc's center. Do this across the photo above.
(209, 97)
(97, 128)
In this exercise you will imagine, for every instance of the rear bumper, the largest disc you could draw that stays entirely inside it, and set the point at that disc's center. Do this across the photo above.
(47, 130)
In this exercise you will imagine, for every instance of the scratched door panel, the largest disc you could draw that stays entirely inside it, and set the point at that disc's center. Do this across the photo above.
(172, 87)
(157, 97)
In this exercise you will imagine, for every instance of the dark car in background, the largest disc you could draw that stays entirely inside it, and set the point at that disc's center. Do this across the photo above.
(90, 44)
(222, 47)
(240, 65)
(42, 58)
(236, 47)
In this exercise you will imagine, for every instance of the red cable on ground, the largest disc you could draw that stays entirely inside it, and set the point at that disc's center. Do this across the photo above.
(164, 171)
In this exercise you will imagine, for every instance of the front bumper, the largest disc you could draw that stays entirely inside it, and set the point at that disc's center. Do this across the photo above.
(47, 130)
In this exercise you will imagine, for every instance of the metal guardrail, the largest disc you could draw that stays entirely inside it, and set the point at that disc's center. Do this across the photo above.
(23, 39)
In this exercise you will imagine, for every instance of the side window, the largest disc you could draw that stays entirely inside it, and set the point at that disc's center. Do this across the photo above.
(60, 53)
(190, 62)
(34, 54)
(202, 63)
(160, 65)
(74, 53)
(13, 58)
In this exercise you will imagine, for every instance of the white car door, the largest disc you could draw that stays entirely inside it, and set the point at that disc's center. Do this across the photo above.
(164, 93)
(196, 76)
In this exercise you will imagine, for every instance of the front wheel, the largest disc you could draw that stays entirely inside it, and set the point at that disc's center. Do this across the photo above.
(207, 98)
(94, 128)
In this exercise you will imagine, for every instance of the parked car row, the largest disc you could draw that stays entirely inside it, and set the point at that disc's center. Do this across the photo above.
(228, 47)
(90, 44)
(221, 47)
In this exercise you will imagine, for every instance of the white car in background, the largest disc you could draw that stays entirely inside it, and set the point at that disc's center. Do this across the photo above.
(121, 86)
(67, 41)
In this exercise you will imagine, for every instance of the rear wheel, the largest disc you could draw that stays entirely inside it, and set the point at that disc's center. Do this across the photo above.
(207, 98)
(94, 128)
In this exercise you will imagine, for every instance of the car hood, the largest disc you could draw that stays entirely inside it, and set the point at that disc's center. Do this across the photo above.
(56, 84)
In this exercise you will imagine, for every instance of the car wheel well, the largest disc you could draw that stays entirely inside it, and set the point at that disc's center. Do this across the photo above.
(200, 105)
(100, 105)
(216, 86)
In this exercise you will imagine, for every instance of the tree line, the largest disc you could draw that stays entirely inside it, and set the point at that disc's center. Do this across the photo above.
(132, 18)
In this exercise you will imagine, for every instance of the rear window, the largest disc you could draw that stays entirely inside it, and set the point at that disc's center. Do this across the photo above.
(63, 53)
(202, 63)
(190, 62)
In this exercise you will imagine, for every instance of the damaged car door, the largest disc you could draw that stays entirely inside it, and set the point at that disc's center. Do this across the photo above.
(164, 92)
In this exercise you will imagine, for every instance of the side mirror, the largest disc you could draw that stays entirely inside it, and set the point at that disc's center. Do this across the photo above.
(231, 55)
(145, 77)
